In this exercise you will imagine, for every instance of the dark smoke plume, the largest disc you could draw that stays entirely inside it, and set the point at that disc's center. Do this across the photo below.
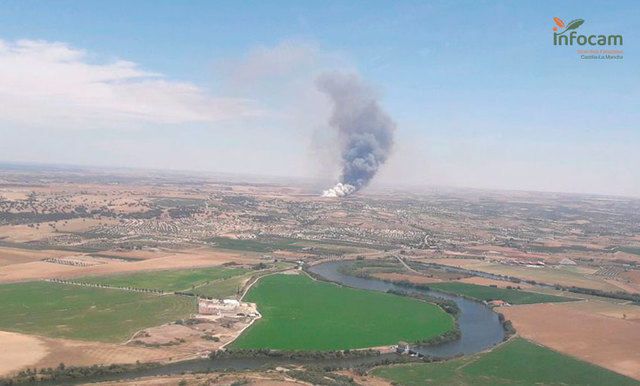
(365, 131)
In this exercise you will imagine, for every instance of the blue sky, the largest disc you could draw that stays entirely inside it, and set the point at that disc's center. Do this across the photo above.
(481, 96)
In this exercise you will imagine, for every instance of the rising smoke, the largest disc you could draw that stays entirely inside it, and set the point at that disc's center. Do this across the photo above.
(365, 131)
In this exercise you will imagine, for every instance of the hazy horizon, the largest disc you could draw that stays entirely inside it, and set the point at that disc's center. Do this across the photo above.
(481, 97)
(317, 183)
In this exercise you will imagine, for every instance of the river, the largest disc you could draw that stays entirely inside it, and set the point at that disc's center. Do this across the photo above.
(479, 326)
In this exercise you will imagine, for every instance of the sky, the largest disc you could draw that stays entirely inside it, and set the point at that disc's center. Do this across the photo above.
(480, 95)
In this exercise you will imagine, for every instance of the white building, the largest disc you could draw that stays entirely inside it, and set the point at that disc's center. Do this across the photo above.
(215, 306)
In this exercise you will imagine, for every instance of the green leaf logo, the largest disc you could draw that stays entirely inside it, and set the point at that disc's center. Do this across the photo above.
(574, 24)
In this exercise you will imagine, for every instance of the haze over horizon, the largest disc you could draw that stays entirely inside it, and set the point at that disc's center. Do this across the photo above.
(480, 95)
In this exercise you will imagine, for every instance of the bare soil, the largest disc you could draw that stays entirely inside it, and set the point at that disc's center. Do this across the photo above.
(613, 310)
(10, 256)
(267, 378)
(176, 260)
(633, 276)
(604, 341)
(24, 233)
(19, 351)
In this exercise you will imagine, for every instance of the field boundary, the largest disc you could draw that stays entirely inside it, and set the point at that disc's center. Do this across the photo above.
(106, 286)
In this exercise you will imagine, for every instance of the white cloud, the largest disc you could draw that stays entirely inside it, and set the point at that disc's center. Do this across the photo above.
(57, 86)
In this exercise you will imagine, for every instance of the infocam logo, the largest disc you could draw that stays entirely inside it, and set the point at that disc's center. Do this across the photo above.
(569, 36)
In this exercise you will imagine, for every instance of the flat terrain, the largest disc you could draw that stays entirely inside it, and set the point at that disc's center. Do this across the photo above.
(517, 362)
(512, 296)
(19, 351)
(303, 314)
(170, 280)
(602, 340)
(23, 233)
(411, 278)
(227, 378)
(197, 257)
(255, 246)
(68, 311)
(491, 282)
(175, 231)
(627, 311)
(223, 288)
(568, 276)
(9, 256)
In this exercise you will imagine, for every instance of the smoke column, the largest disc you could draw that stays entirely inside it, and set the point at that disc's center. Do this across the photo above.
(365, 131)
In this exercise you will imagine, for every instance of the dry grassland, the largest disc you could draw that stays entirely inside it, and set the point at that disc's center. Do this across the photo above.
(176, 260)
(627, 312)
(565, 275)
(415, 279)
(267, 378)
(497, 283)
(19, 351)
(10, 256)
(24, 233)
(605, 341)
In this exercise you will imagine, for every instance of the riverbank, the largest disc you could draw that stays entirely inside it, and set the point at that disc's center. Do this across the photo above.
(479, 325)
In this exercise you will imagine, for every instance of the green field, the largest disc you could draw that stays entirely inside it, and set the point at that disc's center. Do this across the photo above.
(365, 268)
(170, 280)
(517, 362)
(256, 245)
(224, 288)
(303, 314)
(481, 292)
(285, 244)
(69, 311)
(629, 249)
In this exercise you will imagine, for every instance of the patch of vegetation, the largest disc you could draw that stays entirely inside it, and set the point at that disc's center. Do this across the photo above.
(353, 244)
(294, 355)
(487, 293)
(149, 214)
(299, 313)
(33, 218)
(253, 245)
(63, 374)
(69, 311)
(174, 202)
(183, 212)
(507, 326)
(517, 362)
(169, 280)
(232, 286)
(449, 306)
(319, 377)
(623, 295)
(552, 249)
(631, 250)
(224, 288)
(39, 245)
(116, 257)
(366, 268)
(240, 200)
